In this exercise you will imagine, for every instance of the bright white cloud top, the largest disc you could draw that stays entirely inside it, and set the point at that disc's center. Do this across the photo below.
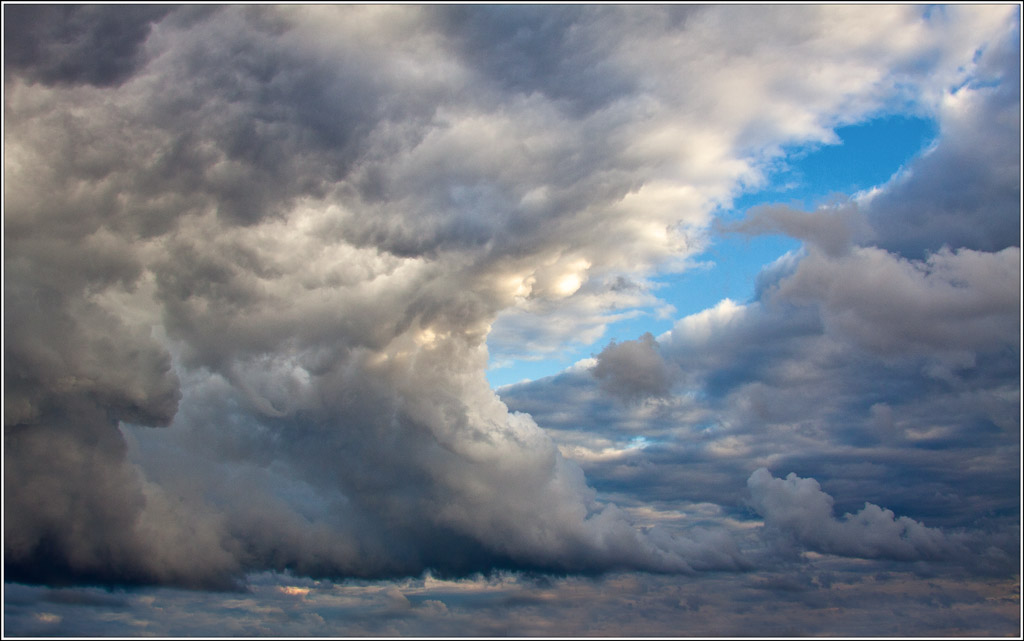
(293, 238)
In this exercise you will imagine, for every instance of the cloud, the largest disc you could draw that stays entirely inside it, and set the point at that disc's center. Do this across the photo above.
(799, 507)
(581, 318)
(887, 369)
(961, 302)
(285, 234)
(965, 192)
(832, 230)
(830, 597)
(633, 370)
(73, 44)
(557, 51)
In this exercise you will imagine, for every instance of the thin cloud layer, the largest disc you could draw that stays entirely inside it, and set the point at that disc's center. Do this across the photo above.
(290, 238)
(831, 597)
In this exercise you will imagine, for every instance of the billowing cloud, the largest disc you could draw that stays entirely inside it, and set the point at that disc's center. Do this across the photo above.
(965, 192)
(799, 508)
(884, 364)
(953, 302)
(285, 236)
(73, 44)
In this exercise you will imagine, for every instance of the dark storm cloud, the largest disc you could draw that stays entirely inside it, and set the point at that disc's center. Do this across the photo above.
(77, 44)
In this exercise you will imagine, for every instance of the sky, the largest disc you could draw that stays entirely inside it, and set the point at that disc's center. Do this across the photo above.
(561, 320)
(860, 156)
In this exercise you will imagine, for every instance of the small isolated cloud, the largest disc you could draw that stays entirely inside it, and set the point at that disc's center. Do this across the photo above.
(633, 370)
(799, 508)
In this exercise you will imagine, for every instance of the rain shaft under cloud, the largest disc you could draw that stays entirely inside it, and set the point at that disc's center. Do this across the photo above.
(287, 236)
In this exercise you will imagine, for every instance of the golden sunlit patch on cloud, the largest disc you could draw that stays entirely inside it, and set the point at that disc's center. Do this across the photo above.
(647, 515)
(700, 326)
(47, 617)
(518, 286)
(568, 285)
(496, 583)
(560, 277)
(584, 453)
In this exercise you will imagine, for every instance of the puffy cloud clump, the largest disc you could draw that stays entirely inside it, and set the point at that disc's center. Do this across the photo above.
(633, 370)
(798, 507)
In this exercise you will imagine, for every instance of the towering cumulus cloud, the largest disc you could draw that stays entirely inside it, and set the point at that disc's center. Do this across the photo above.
(283, 237)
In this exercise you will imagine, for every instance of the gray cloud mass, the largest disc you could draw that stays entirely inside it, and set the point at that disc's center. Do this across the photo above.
(633, 370)
(260, 205)
(256, 259)
(798, 507)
